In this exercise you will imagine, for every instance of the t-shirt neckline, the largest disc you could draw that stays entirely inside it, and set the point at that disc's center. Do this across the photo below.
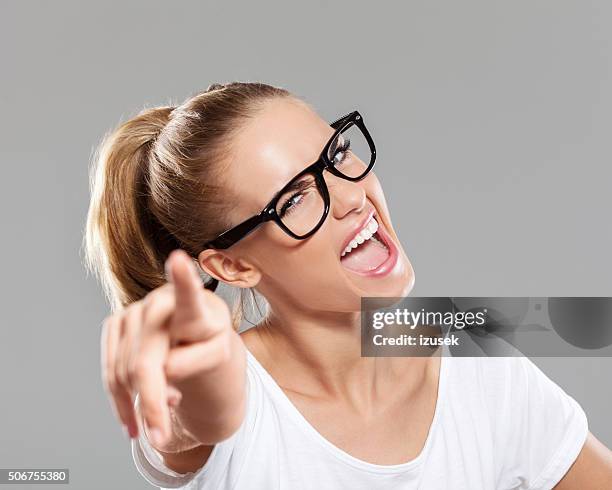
(282, 398)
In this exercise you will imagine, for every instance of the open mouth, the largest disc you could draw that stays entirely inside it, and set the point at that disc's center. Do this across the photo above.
(367, 251)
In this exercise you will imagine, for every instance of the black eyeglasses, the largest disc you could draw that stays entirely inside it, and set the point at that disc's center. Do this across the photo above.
(302, 205)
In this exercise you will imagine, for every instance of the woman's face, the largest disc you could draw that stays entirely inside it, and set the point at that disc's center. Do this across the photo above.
(284, 138)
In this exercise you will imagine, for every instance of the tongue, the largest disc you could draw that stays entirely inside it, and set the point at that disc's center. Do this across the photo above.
(366, 256)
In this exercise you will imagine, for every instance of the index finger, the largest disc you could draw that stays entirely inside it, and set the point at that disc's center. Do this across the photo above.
(188, 290)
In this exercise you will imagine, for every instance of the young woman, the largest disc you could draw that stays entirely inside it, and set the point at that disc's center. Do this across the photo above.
(246, 183)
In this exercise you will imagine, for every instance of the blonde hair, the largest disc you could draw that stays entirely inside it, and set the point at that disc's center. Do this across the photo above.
(156, 184)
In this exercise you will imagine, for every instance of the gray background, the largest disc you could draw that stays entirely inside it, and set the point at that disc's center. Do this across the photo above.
(492, 119)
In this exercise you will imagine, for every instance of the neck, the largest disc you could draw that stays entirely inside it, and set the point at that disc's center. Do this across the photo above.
(319, 354)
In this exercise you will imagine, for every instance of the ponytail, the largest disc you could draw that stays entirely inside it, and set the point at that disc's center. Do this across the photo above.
(118, 235)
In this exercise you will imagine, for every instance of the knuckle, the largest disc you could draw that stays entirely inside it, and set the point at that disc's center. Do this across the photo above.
(151, 410)
(158, 293)
(120, 381)
(172, 371)
(220, 325)
(225, 349)
(131, 310)
(133, 319)
(135, 310)
(131, 375)
(121, 323)
(216, 315)
(111, 384)
(150, 299)
(156, 301)
(120, 378)
(153, 414)
(142, 366)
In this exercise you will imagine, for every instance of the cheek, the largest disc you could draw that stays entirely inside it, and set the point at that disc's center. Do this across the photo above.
(282, 257)
(278, 254)
(307, 271)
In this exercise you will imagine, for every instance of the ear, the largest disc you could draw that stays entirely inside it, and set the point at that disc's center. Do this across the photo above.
(232, 271)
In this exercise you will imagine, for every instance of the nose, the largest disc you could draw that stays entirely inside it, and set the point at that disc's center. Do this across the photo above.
(345, 196)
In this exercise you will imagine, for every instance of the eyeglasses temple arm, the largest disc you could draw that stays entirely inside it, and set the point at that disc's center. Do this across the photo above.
(229, 237)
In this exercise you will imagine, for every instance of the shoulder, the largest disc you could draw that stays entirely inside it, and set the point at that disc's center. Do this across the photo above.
(518, 385)
(537, 429)
(497, 377)
(511, 388)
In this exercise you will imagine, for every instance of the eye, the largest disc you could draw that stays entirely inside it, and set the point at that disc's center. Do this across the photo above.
(289, 204)
(341, 153)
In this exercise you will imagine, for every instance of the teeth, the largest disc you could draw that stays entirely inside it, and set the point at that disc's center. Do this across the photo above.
(364, 235)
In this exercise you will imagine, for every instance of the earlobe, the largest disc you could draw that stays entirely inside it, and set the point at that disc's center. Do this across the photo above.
(246, 278)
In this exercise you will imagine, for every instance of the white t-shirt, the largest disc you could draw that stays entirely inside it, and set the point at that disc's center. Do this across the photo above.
(499, 423)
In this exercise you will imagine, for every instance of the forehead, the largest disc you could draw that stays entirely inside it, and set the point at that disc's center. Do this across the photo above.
(282, 139)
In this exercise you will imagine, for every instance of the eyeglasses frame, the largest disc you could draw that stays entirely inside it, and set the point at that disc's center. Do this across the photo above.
(268, 213)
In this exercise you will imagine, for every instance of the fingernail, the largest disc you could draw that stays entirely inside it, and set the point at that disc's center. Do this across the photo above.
(132, 431)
